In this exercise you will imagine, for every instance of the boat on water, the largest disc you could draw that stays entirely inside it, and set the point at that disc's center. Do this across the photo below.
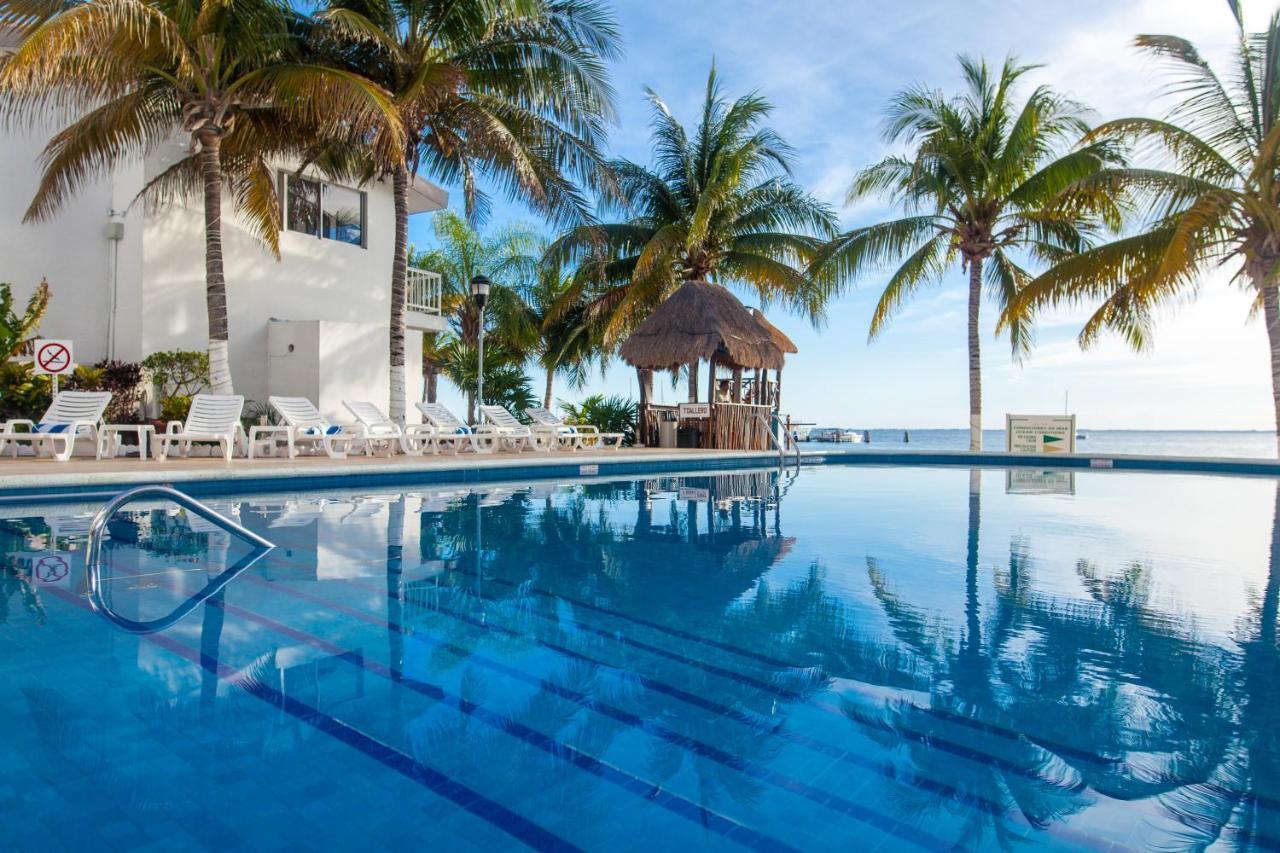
(801, 433)
(835, 434)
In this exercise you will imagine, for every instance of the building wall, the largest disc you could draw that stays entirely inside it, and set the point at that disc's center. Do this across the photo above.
(159, 278)
(71, 250)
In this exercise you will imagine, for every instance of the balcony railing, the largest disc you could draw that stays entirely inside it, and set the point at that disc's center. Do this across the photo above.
(423, 291)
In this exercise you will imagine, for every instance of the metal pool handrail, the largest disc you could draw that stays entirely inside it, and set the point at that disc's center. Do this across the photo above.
(768, 428)
(93, 558)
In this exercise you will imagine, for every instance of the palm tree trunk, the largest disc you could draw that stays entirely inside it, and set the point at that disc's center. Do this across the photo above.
(1271, 315)
(975, 356)
(644, 384)
(693, 382)
(215, 282)
(433, 381)
(399, 291)
(546, 396)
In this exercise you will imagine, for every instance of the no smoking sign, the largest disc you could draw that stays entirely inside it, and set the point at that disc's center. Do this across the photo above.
(53, 358)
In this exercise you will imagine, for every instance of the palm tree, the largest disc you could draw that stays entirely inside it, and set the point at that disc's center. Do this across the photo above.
(1212, 193)
(227, 76)
(719, 205)
(512, 90)
(563, 343)
(510, 256)
(983, 184)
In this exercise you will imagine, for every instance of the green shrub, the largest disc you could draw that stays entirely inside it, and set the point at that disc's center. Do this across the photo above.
(178, 372)
(123, 379)
(23, 394)
(16, 330)
(174, 407)
(608, 414)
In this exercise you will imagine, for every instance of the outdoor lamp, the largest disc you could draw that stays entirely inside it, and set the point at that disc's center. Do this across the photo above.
(480, 293)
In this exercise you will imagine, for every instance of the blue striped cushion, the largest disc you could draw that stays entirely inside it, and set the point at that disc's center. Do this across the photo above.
(51, 428)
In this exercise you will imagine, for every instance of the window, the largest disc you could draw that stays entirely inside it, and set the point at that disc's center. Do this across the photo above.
(323, 210)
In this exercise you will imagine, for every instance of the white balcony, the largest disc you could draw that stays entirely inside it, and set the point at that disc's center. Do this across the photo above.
(422, 301)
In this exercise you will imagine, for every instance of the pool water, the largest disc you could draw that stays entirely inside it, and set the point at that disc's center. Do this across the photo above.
(896, 658)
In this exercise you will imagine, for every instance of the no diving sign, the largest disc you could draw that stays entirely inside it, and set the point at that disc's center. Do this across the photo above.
(51, 570)
(53, 358)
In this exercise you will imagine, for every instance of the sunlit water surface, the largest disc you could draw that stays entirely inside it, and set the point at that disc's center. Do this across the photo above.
(913, 657)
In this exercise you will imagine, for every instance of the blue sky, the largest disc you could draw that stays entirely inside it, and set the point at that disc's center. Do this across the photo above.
(829, 68)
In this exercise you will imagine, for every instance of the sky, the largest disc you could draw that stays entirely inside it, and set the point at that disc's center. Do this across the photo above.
(829, 68)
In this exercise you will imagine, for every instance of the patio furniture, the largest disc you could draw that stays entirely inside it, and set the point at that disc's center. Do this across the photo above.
(109, 439)
(71, 415)
(583, 435)
(308, 427)
(516, 435)
(264, 438)
(211, 418)
(455, 434)
(413, 439)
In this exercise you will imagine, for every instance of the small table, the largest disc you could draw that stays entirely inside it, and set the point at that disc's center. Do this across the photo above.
(268, 437)
(109, 437)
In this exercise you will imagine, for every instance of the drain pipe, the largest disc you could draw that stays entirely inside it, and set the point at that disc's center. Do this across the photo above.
(114, 234)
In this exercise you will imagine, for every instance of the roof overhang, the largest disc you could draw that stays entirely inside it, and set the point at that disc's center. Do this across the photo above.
(425, 196)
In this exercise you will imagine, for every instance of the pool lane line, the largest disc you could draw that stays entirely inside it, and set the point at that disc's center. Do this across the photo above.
(946, 716)
(682, 807)
(688, 743)
(675, 803)
(490, 811)
(963, 751)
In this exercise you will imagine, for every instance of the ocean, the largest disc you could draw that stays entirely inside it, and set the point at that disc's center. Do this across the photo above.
(1248, 444)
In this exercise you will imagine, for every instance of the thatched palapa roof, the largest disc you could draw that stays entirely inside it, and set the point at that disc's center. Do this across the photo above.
(784, 343)
(698, 321)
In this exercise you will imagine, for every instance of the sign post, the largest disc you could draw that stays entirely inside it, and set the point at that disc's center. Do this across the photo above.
(1040, 433)
(54, 359)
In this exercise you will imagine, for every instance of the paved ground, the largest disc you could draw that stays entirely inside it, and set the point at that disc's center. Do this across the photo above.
(27, 472)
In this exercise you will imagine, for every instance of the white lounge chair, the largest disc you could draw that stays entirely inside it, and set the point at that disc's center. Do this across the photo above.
(413, 439)
(515, 435)
(307, 426)
(71, 415)
(583, 435)
(212, 417)
(454, 434)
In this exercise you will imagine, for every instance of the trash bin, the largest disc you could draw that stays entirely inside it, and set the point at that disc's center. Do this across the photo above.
(689, 437)
(667, 433)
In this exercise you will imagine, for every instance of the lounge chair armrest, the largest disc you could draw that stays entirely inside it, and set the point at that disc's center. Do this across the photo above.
(16, 422)
(486, 429)
(587, 428)
(173, 428)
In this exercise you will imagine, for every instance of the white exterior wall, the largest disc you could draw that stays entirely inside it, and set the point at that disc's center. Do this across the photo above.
(160, 294)
(71, 250)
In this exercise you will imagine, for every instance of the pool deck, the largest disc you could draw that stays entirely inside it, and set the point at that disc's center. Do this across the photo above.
(27, 477)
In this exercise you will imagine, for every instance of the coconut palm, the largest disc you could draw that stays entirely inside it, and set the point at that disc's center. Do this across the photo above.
(563, 343)
(227, 76)
(983, 185)
(717, 205)
(1211, 188)
(512, 90)
(510, 256)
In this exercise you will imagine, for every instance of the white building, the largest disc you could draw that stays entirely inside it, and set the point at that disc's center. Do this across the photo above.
(127, 282)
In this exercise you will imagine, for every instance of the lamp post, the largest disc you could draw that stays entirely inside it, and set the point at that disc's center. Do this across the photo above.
(480, 293)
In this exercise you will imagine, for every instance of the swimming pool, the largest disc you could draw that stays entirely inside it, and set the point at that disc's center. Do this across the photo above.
(902, 657)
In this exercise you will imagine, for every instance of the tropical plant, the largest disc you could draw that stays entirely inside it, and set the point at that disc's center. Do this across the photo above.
(510, 256)
(983, 184)
(23, 393)
(227, 76)
(718, 205)
(607, 414)
(123, 379)
(563, 340)
(513, 90)
(505, 382)
(1210, 192)
(184, 372)
(17, 330)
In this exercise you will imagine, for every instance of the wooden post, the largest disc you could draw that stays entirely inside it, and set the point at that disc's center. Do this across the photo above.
(709, 425)
(735, 393)
(693, 381)
(777, 397)
(642, 409)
